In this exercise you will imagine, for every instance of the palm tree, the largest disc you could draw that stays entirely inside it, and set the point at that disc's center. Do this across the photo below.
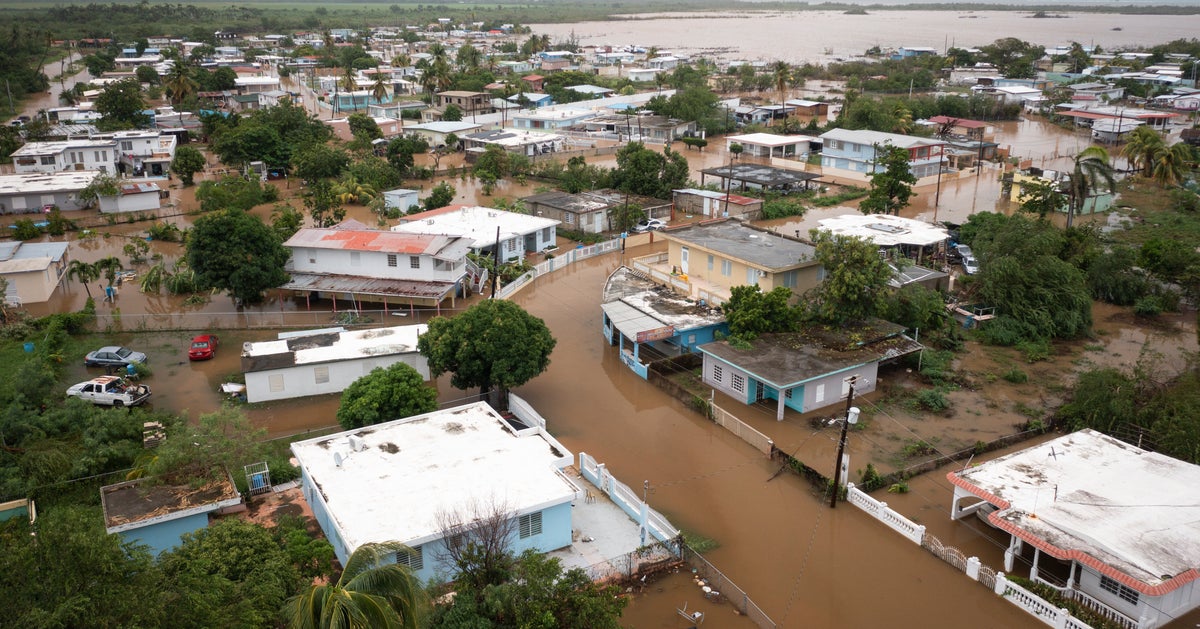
(350, 84)
(83, 273)
(1141, 146)
(1171, 163)
(351, 190)
(109, 266)
(379, 88)
(1092, 167)
(781, 72)
(370, 593)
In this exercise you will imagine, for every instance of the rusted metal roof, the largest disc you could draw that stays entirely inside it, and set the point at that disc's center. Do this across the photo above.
(369, 286)
(438, 246)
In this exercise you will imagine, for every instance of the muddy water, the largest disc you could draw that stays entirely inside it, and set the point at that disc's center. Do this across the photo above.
(790, 35)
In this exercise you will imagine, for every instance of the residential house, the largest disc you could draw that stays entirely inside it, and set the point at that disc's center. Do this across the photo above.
(648, 321)
(593, 91)
(807, 370)
(971, 129)
(1095, 93)
(713, 204)
(318, 362)
(1111, 524)
(533, 82)
(852, 153)
(665, 62)
(144, 152)
(33, 270)
(470, 103)
(483, 227)
(551, 118)
(132, 197)
(531, 99)
(640, 127)
(904, 52)
(520, 142)
(761, 114)
(49, 157)
(886, 231)
(30, 192)
(435, 133)
(772, 145)
(808, 109)
(256, 84)
(758, 177)
(514, 67)
(1023, 181)
(710, 258)
(158, 515)
(642, 75)
(433, 467)
(591, 212)
(406, 268)
(1012, 94)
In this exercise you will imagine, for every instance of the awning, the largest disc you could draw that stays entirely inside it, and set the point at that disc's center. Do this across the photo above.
(636, 324)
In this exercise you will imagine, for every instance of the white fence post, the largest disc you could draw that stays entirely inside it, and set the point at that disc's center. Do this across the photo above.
(973, 568)
(1001, 584)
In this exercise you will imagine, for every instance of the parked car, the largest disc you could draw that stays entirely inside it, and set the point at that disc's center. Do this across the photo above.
(113, 356)
(962, 252)
(110, 391)
(203, 347)
(649, 225)
(970, 265)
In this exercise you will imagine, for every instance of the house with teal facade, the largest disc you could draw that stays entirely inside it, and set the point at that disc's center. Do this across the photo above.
(406, 480)
(158, 515)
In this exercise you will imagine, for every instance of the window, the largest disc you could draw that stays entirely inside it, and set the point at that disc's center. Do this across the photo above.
(96, 154)
(546, 234)
(48, 160)
(275, 382)
(568, 218)
(414, 262)
(355, 258)
(752, 277)
(412, 558)
(717, 373)
(1126, 594)
(126, 145)
(391, 259)
(833, 144)
(788, 394)
(726, 268)
(710, 263)
(530, 524)
(790, 279)
(321, 374)
(739, 383)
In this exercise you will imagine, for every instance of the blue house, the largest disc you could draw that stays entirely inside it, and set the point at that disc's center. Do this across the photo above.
(853, 151)
(808, 370)
(159, 515)
(532, 99)
(418, 479)
(648, 321)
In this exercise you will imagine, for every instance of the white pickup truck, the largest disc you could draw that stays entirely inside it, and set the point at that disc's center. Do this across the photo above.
(111, 391)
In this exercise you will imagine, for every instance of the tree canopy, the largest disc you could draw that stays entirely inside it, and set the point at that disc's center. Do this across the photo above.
(494, 345)
(236, 252)
(188, 161)
(385, 394)
(856, 279)
(121, 104)
(891, 188)
(644, 171)
(750, 312)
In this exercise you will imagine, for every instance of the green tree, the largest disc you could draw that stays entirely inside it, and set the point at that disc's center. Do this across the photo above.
(1140, 148)
(323, 204)
(644, 171)
(363, 127)
(179, 83)
(385, 394)
(750, 312)
(1041, 198)
(235, 251)
(856, 279)
(286, 221)
(188, 161)
(440, 196)
(146, 74)
(1091, 169)
(84, 273)
(494, 345)
(121, 105)
(1171, 164)
(453, 113)
(319, 161)
(891, 188)
(400, 151)
(371, 592)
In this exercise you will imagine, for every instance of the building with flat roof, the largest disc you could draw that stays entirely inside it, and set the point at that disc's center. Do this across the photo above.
(33, 269)
(518, 233)
(160, 515)
(759, 177)
(714, 204)
(1122, 523)
(852, 152)
(402, 480)
(326, 361)
(30, 192)
(772, 145)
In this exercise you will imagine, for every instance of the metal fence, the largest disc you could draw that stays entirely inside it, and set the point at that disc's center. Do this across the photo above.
(648, 559)
(251, 319)
(557, 263)
(744, 431)
(725, 589)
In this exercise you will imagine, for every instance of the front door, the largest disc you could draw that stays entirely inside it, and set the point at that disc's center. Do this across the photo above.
(683, 260)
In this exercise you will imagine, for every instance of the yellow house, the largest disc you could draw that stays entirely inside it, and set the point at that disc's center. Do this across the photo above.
(33, 270)
(712, 257)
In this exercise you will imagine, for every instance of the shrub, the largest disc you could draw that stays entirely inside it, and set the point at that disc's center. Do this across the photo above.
(1034, 350)
(1015, 376)
(25, 229)
(870, 479)
(932, 400)
(1148, 306)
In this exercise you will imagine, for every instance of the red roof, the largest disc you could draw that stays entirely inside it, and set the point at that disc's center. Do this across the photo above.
(533, 77)
(363, 240)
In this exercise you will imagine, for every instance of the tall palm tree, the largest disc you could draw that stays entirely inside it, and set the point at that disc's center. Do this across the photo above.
(109, 266)
(379, 88)
(179, 82)
(1092, 168)
(1141, 146)
(1171, 164)
(351, 85)
(781, 73)
(370, 593)
(83, 272)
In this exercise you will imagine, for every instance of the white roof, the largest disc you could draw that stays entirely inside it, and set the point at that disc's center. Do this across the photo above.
(769, 139)
(256, 80)
(476, 223)
(47, 148)
(412, 469)
(867, 138)
(35, 183)
(349, 345)
(443, 126)
(1119, 509)
(885, 230)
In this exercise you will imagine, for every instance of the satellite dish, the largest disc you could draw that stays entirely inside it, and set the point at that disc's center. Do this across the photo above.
(338, 458)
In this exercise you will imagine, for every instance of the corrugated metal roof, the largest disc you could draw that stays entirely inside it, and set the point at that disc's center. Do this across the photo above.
(629, 320)
(369, 286)
(438, 246)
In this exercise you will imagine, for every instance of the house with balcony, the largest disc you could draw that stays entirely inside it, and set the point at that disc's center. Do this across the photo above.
(256, 84)
(772, 145)
(851, 153)
(705, 260)
(144, 152)
(640, 127)
(431, 467)
(482, 228)
(470, 103)
(51, 157)
(1107, 524)
(529, 144)
(550, 118)
(404, 269)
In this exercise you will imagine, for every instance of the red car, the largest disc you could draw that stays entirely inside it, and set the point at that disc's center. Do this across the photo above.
(203, 347)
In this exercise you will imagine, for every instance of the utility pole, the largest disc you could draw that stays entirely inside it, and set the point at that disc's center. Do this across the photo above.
(851, 418)
(496, 271)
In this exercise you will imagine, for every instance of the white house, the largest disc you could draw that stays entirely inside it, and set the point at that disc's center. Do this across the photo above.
(33, 269)
(518, 233)
(1120, 522)
(29, 192)
(400, 480)
(326, 361)
(132, 197)
(256, 84)
(853, 151)
(772, 145)
(401, 199)
(50, 157)
(408, 268)
(435, 132)
(144, 152)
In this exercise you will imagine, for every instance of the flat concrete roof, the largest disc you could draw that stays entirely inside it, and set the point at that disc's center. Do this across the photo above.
(885, 230)
(867, 137)
(637, 304)
(1131, 514)
(769, 139)
(755, 246)
(475, 223)
(410, 470)
(766, 176)
(330, 347)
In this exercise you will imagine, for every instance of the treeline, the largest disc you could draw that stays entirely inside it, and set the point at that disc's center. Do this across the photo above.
(23, 53)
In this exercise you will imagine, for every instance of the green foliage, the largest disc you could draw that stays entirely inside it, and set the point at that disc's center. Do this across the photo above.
(312, 556)
(372, 591)
(750, 312)
(849, 193)
(916, 307)
(121, 105)
(400, 152)
(165, 232)
(319, 161)
(375, 172)
(1035, 350)
(271, 135)
(234, 251)
(233, 193)
(286, 221)
(453, 113)
(386, 394)
(1148, 306)
(323, 204)
(644, 171)
(782, 207)
(932, 400)
(891, 188)
(440, 196)
(25, 229)
(870, 479)
(363, 127)
(494, 344)
(1015, 376)
(226, 442)
(1114, 277)
(856, 279)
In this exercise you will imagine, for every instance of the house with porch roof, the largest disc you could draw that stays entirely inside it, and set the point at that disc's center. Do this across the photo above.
(852, 153)
(1114, 527)
(483, 228)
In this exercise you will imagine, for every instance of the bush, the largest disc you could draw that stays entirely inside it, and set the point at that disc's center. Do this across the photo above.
(26, 230)
(1148, 306)
(1015, 376)
(1034, 350)
(1005, 331)
(932, 400)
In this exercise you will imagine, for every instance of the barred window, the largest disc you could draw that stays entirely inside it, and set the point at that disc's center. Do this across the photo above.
(414, 262)
(530, 524)
(739, 383)
(717, 373)
(392, 259)
(321, 374)
(412, 558)
(1129, 595)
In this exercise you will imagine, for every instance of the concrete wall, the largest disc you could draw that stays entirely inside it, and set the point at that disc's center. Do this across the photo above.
(165, 535)
(140, 202)
(371, 264)
(831, 389)
(23, 203)
(301, 380)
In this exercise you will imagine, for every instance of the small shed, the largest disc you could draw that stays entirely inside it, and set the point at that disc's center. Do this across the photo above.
(159, 515)
(401, 199)
(132, 197)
